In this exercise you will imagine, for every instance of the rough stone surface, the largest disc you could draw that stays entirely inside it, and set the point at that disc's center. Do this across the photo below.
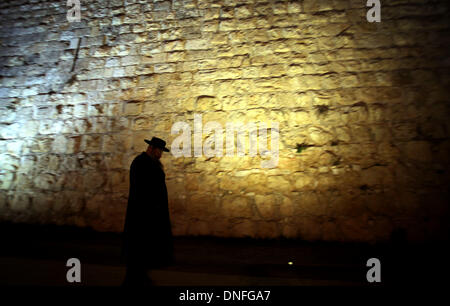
(366, 102)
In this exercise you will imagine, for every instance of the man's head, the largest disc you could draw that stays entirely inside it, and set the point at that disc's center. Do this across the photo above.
(154, 152)
(155, 147)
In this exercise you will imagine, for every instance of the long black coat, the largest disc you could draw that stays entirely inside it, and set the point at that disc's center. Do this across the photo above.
(147, 233)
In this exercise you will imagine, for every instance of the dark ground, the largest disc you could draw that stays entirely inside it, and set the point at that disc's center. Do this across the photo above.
(36, 256)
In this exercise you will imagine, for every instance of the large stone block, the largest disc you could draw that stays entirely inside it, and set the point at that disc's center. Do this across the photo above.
(377, 175)
(197, 44)
(120, 142)
(59, 144)
(116, 181)
(6, 180)
(244, 228)
(256, 182)
(43, 202)
(418, 151)
(267, 229)
(266, 206)
(45, 181)
(79, 126)
(319, 136)
(20, 202)
(201, 206)
(304, 181)
(91, 143)
(199, 228)
(309, 228)
(311, 204)
(279, 183)
(355, 229)
(236, 207)
(40, 145)
(9, 162)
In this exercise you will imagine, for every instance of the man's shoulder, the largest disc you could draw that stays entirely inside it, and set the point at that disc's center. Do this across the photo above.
(139, 158)
(143, 158)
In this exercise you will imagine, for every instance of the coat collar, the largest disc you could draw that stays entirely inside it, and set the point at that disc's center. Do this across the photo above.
(152, 160)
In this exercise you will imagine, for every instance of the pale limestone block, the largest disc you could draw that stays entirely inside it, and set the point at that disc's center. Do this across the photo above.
(227, 25)
(9, 162)
(116, 143)
(142, 123)
(20, 202)
(266, 206)
(309, 228)
(199, 228)
(201, 206)
(176, 57)
(54, 161)
(45, 181)
(294, 7)
(330, 231)
(73, 144)
(7, 179)
(179, 225)
(236, 207)
(117, 180)
(233, 184)
(43, 202)
(221, 227)
(343, 134)
(115, 161)
(132, 108)
(304, 181)
(164, 68)
(244, 228)
(197, 44)
(27, 163)
(267, 229)
(94, 203)
(59, 144)
(319, 136)
(291, 164)
(278, 183)
(80, 110)
(287, 208)
(41, 145)
(256, 182)
(91, 143)
(312, 204)
(211, 13)
(354, 229)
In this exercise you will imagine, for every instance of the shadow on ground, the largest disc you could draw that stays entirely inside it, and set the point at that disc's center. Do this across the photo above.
(37, 255)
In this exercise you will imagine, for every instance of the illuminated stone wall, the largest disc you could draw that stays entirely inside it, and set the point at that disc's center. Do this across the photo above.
(366, 102)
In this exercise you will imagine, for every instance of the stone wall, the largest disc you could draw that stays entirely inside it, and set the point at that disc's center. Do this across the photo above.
(362, 110)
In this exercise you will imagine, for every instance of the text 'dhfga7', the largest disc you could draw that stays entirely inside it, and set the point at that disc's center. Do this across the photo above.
(74, 13)
(374, 14)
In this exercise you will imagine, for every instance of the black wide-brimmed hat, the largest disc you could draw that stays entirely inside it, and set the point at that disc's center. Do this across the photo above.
(158, 143)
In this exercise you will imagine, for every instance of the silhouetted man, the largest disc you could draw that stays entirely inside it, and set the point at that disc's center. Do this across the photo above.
(147, 231)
